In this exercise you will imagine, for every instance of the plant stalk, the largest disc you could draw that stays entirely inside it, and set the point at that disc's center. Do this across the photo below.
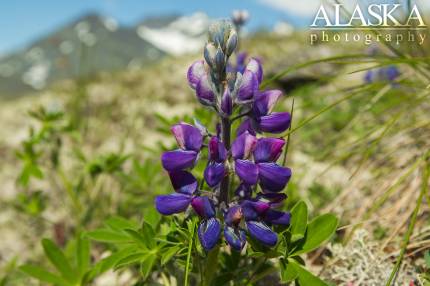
(225, 183)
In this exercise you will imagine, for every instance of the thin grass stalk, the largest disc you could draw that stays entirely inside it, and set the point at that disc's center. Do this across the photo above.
(424, 189)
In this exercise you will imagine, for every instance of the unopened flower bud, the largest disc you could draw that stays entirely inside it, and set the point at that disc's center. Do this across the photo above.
(227, 103)
(231, 43)
(219, 59)
(209, 54)
(219, 33)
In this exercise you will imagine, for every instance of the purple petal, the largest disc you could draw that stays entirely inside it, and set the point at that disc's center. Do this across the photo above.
(204, 91)
(208, 232)
(255, 67)
(240, 61)
(260, 207)
(214, 173)
(243, 191)
(227, 103)
(265, 101)
(233, 216)
(273, 198)
(217, 151)
(248, 86)
(178, 160)
(236, 238)
(245, 126)
(268, 149)
(183, 182)
(195, 73)
(277, 217)
(243, 146)
(203, 206)
(187, 136)
(262, 233)
(247, 171)
(273, 177)
(172, 204)
(248, 210)
(369, 76)
(276, 122)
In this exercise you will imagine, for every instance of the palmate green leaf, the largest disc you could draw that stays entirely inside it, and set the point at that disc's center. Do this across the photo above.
(168, 253)
(147, 264)
(288, 272)
(132, 258)
(57, 258)
(110, 236)
(110, 261)
(319, 230)
(43, 275)
(83, 254)
(149, 235)
(152, 217)
(139, 238)
(119, 223)
(304, 276)
(299, 221)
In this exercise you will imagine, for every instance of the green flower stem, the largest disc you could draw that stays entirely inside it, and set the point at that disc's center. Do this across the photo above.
(190, 247)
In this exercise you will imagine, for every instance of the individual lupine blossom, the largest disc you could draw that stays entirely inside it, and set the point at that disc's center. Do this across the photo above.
(250, 162)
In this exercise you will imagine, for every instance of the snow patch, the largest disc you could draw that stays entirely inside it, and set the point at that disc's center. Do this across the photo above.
(184, 35)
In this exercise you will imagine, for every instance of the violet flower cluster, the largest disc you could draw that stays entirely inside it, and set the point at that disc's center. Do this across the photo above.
(248, 209)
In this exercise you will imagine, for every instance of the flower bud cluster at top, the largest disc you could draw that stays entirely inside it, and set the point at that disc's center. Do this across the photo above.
(250, 205)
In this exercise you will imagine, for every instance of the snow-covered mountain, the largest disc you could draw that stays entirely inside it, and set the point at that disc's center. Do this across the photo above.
(180, 35)
(94, 43)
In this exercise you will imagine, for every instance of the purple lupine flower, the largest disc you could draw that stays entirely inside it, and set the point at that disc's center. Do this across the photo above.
(385, 74)
(227, 90)
(263, 168)
(198, 79)
(258, 216)
(185, 185)
(190, 140)
(262, 119)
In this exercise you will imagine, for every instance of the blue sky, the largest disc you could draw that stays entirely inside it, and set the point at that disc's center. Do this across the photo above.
(23, 21)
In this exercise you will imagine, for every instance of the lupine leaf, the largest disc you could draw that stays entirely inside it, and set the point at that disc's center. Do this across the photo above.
(147, 264)
(148, 235)
(83, 254)
(168, 253)
(106, 235)
(109, 262)
(288, 272)
(299, 221)
(43, 275)
(319, 230)
(132, 258)
(304, 276)
(152, 217)
(57, 258)
(138, 238)
(119, 223)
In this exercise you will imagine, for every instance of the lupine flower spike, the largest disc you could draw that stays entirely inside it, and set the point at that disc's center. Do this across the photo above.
(250, 209)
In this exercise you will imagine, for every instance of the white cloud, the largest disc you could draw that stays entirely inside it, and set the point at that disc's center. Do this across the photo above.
(301, 7)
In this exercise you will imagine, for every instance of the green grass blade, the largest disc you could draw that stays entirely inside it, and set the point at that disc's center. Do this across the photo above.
(424, 189)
